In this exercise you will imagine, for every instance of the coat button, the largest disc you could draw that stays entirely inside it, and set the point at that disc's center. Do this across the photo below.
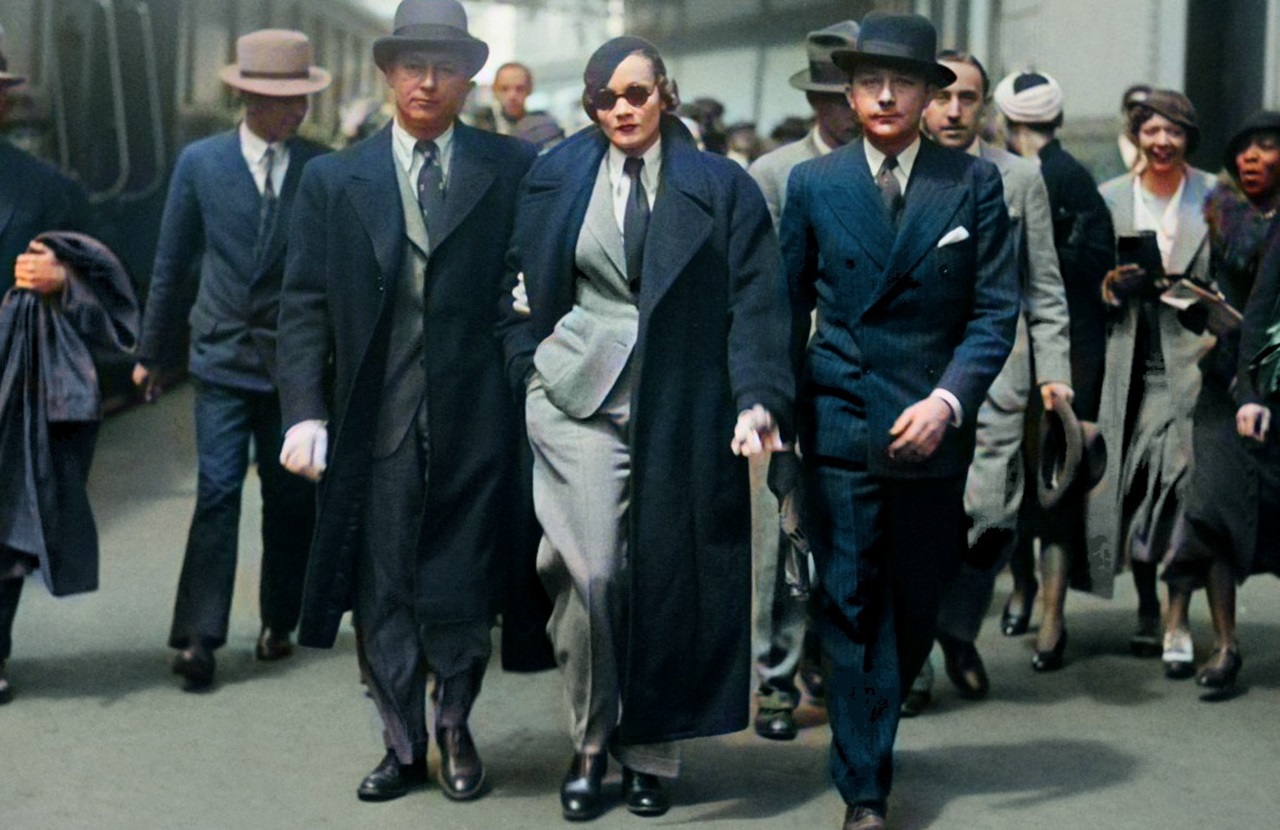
(945, 270)
(848, 263)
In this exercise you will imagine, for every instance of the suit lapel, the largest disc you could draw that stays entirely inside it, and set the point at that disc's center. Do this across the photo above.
(602, 226)
(1191, 225)
(469, 177)
(855, 199)
(373, 180)
(298, 156)
(681, 219)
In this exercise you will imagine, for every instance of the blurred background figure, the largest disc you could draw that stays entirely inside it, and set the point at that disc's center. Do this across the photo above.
(742, 143)
(512, 85)
(1031, 104)
(1231, 525)
(1152, 362)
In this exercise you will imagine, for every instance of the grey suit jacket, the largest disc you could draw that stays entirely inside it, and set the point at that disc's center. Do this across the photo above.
(586, 352)
(1044, 299)
(772, 170)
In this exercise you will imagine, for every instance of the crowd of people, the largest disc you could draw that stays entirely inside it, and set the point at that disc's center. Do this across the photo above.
(689, 420)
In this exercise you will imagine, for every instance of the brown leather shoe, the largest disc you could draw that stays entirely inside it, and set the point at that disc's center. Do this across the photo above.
(461, 772)
(964, 667)
(860, 817)
(272, 646)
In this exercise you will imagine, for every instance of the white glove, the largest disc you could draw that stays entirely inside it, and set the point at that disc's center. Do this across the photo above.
(306, 446)
(755, 433)
(520, 297)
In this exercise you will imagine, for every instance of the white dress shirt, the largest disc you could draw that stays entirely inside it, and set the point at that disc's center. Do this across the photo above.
(404, 145)
(254, 149)
(621, 185)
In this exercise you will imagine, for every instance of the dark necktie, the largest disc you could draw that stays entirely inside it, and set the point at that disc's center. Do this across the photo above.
(431, 189)
(890, 190)
(267, 210)
(635, 222)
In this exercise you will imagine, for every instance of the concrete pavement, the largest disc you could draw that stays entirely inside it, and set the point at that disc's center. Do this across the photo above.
(100, 736)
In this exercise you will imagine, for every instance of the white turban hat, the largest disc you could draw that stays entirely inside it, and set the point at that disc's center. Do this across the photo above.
(1029, 98)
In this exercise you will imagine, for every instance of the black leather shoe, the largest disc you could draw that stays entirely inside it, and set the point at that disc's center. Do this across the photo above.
(272, 646)
(6, 691)
(643, 793)
(197, 665)
(964, 667)
(1145, 641)
(916, 701)
(1015, 625)
(461, 770)
(391, 779)
(776, 724)
(1051, 660)
(580, 790)
(1220, 671)
(860, 817)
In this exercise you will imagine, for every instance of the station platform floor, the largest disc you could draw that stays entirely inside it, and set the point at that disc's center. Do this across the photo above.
(100, 736)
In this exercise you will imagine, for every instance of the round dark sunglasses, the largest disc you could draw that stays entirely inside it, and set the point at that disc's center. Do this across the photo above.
(606, 99)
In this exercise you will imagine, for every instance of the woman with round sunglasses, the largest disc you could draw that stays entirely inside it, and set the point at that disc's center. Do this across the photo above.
(648, 330)
(1151, 377)
(1231, 526)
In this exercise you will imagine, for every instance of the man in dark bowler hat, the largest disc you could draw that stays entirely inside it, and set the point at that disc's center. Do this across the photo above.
(228, 203)
(783, 643)
(395, 398)
(904, 249)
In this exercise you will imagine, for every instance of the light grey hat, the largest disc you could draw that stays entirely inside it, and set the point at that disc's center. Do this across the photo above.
(823, 75)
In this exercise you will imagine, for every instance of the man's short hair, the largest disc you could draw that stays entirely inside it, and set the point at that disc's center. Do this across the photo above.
(960, 56)
(528, 74)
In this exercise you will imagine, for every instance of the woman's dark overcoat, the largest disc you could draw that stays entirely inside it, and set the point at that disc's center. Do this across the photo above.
(714, 328)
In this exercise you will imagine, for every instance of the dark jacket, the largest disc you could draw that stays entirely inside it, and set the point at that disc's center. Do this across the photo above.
(713, 335)
(346, 250)
(211, 216)
(34, 197)
(47, 379)
(898, 316)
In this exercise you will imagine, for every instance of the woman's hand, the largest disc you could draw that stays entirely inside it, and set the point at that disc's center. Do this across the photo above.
(1253, 421)
(756, 433)
(1121, 282)
(38, 270)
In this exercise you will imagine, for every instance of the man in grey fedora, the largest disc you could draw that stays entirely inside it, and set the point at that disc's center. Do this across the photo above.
(396, 399)
(903, 248)
(228, 202)
(783, 645)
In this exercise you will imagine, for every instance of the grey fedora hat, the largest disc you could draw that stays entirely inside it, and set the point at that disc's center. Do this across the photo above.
(431, 24)
(899, 41)
(823, 75)
(7, 78)
(1070, 450)
(274, 62)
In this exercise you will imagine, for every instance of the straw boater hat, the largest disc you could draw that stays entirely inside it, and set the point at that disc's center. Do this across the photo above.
(7, 78)
(275, 62)
(899, 41)
(431, 24)
(823, 75)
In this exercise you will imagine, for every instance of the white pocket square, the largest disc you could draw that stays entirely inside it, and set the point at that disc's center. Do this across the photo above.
(957, 234)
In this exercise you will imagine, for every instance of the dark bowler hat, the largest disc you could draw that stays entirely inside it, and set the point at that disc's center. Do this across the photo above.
(7, 78)
(823, 75)
(1070, 450)
(1263, 121)
(431, 24)
(898, 41)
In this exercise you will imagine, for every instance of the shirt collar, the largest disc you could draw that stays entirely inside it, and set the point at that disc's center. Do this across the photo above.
(823, 147)
(403, 145)
(254, 146)
(648, 174)
(906, 159)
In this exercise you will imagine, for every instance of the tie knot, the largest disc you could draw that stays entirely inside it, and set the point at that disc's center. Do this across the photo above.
(428, 150)
(270, 155)
(632, 166)
(890, 164)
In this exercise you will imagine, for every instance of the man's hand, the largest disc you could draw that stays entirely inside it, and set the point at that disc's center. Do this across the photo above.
(146, 383)
(305, 449)
(38, 270)
(1253, 421)
(919, 430)
(1056, 390)
(520, 297)
(755, 433)
(1120, 282)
